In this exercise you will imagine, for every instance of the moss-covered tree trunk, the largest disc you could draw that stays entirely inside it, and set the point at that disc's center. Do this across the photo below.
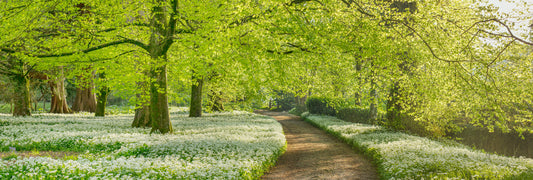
(162, 34)
(21, 96)
(102, 101)
(159, 102)
(195, 109)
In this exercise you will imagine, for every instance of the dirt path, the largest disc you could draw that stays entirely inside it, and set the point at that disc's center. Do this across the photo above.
(314, 154)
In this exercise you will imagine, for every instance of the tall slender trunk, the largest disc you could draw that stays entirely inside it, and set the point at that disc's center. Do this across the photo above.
(21, 96)
(195, 109)
(358, 68)
(373, 100)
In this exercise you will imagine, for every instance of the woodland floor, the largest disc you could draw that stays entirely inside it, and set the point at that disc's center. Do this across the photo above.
(314, 154)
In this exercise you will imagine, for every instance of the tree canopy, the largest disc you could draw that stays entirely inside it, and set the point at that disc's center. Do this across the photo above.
(441, 63)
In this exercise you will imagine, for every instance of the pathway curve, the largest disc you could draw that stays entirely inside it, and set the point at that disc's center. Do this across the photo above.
(314, 154)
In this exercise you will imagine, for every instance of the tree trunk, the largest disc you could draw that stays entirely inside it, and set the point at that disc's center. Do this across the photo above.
(159, 102)
(142, 110)
(162, 34)
(373, 105)
(102, 101)
(195, 109)
(21, 96)
(59, 96)
(85, 96)
(85, 99)
(142, 117)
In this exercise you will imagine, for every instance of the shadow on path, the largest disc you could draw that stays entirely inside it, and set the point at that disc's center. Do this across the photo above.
(314, 154)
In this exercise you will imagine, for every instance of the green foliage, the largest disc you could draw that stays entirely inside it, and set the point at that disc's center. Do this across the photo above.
(284, 101)
(5, 108)
(357, 115)
(298, 110)
(435, 55)
(319, 105)
(114, 109)
(10, 157)
(325, 105)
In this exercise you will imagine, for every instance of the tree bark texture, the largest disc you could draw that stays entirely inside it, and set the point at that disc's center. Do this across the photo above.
(21, 96)
(159, 102)
(59, 96)
(85, 99)
(195, 109)
(162, 32)
(142, 110)
(142, 117)
(85, 95)
(102, 101)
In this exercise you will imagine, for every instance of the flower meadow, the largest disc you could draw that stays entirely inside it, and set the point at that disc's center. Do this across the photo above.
(231, 145)
(402, 156)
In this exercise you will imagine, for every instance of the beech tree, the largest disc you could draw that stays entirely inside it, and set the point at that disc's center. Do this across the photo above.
(18, 73)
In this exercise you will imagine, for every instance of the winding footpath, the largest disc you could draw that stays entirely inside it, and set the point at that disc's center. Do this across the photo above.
(314, 154)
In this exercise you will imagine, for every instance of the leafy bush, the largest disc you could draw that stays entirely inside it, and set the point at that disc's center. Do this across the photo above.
(298, 110)
(320, 105)
(358, 115)
(403, 156)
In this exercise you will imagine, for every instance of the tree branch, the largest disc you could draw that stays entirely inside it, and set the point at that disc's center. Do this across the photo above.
(424, 41)
(124, 41)
(299, 47)
(172, 27)
(297, 2)
(358, 7)
(511, 35)
(105, 59)
(7, 50)
(279, 52)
